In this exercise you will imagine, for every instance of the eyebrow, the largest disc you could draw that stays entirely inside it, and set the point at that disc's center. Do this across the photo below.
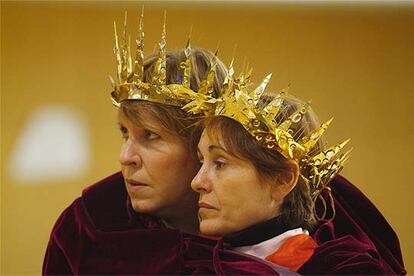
(140, 125)
(214, 147)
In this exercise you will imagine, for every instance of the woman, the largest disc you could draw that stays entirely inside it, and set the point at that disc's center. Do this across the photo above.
(141, 221)
(263, 175)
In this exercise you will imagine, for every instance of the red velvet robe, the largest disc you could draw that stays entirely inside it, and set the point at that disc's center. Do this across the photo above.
(100, 234)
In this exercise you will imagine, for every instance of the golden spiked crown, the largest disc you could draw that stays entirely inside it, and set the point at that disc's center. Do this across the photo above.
(244, 105)
(130, 84)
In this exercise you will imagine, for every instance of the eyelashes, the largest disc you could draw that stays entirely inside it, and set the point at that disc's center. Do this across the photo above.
(218, 163)
(150, 135)
(124, 132)
(146, 134)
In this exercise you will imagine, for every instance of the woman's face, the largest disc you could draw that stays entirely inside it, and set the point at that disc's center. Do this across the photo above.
(157, 168)
(232, 197)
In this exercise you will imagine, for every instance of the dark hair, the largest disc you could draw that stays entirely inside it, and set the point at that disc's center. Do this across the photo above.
(174, 120)
(297, 208)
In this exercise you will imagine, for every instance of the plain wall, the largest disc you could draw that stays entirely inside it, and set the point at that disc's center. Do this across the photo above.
(356, 63)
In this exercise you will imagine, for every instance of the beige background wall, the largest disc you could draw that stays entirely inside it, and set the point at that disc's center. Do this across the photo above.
(354, 62)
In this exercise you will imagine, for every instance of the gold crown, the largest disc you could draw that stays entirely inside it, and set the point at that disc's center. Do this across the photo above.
(246, 107)
(130, 85)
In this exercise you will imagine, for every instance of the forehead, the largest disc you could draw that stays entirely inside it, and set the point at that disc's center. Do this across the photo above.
(140, 120)
(209, 141)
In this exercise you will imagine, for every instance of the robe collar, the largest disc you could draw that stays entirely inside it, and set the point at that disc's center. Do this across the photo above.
(257, 233)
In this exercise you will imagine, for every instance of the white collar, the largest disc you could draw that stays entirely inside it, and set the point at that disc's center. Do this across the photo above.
(267, 247)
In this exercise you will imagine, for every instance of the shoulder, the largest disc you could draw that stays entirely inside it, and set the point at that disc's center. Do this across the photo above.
(343, 255)
(105, 203)
(102, 205)
(357, 216)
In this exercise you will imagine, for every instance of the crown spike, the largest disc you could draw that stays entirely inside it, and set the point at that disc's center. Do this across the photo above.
(160, 68)
(345, 157)
(310, 141)
(130, 64)
(334, 167)
(217, 49)
(228, 80)
(112, 81)
(258, 92)
(247, 74)
(211, 75)
(327, 155)
(230, 72)
(186, 65)
(139, 53)
(234, 50)
(124, 51)
(125, 24)
(231, 67)
(271, 110)
(207, 85)
(295, 117)
(115, 103)
(241, 77)
(117, 52)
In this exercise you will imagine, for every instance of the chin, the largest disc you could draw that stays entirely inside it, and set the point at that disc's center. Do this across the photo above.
(144, 206)
(211, 229)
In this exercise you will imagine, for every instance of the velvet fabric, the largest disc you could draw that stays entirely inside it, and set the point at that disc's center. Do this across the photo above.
(356, 216)
(344, 255)
(99, 233)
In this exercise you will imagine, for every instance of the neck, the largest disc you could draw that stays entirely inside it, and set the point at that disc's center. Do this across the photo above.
(186, 222)
(184, 216)
(257, 233)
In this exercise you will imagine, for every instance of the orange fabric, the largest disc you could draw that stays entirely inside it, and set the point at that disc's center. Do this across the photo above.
(294, 252)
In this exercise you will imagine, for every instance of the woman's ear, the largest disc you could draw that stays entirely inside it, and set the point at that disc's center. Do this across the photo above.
(286, 181)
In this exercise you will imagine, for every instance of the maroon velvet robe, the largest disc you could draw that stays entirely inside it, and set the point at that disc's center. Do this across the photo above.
(99, 233)
(363, 240)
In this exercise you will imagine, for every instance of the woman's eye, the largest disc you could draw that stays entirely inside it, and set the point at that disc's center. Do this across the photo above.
(219, 164)
(124, 132)
(200, 157)
(149, 135)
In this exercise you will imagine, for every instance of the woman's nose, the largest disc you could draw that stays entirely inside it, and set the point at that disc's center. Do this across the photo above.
(129, 155)
(201, 182)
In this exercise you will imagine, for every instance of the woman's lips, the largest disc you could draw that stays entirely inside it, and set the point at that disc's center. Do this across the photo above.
(205, 205)
(204, 209)
(135, 185)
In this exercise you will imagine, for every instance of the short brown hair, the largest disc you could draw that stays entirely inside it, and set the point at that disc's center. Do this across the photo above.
(174, 120)
(297, 208)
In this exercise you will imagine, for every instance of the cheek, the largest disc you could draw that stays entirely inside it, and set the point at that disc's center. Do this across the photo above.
(232, 191)
(184, 164)
(235, 206)
(232, 209)
(243, 203)
(175, 170)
